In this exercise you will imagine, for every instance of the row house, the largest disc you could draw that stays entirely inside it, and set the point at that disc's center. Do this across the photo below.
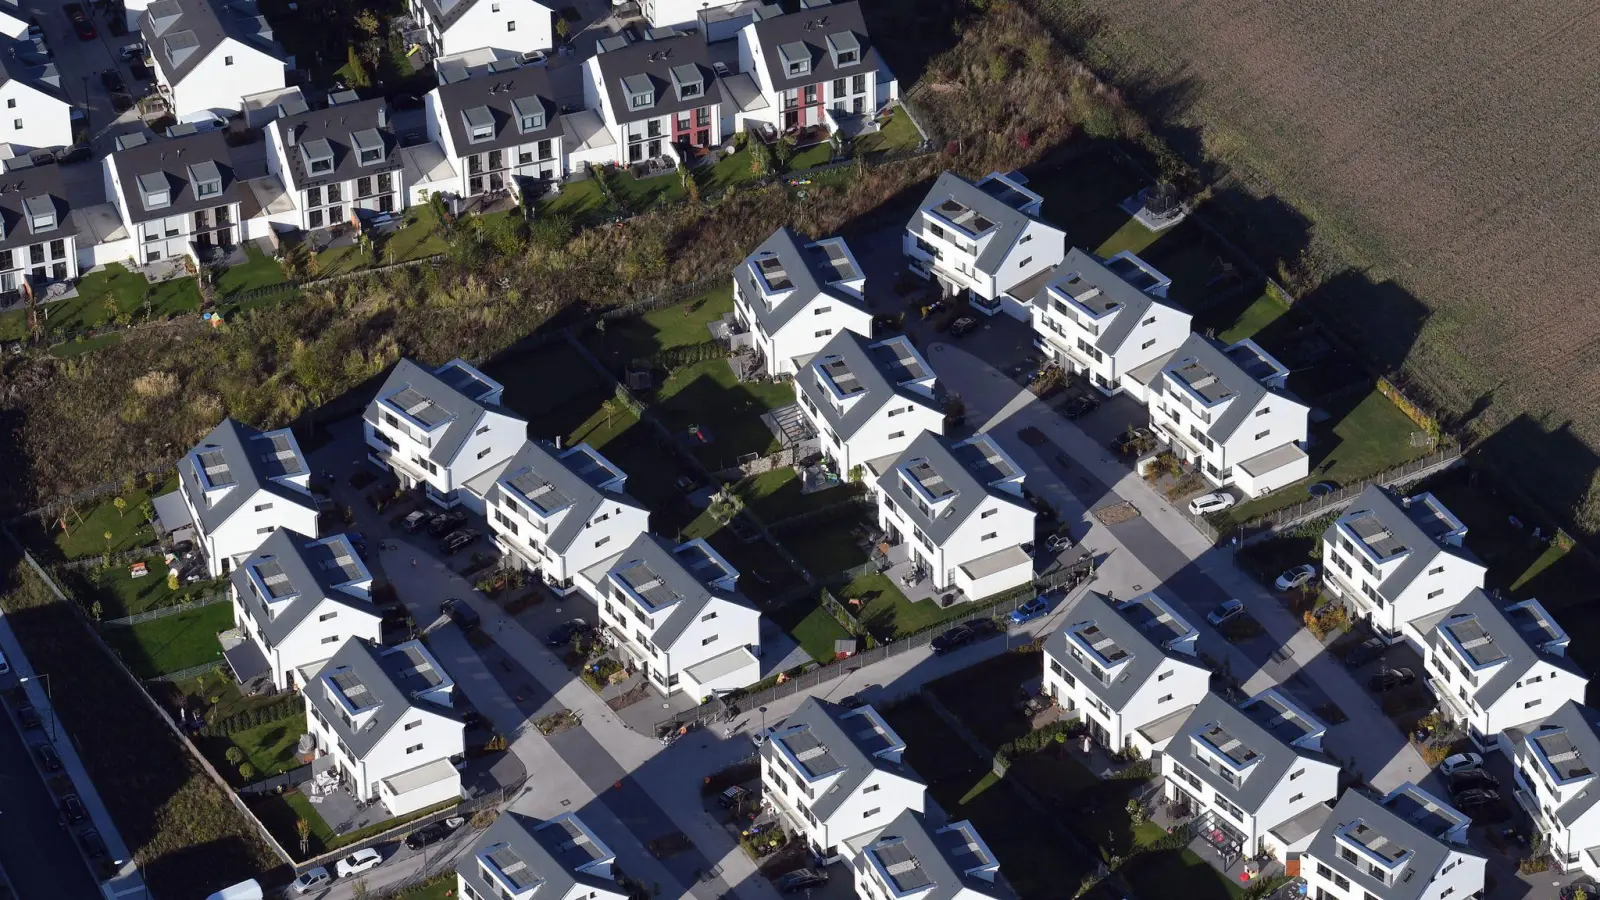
(209, 54)
(298, 599)
(675, 613)
(815, 68)
(984, 242)
(37, 113)
(386, 717)
(557, 512)
(835, 774)
(498, 127)
(679, 13)
(237, 486)
(1127, 669)
(441, 429)
(658, 98)
(1397, 562)
(958, 509)
(1555, 783)
(523, 858)
(1103, 320)
(1223, 411)
(1495, 670)
(339, 164)
(1406, 846)
(867, 399)
(38, 239)
(177, 197)
(791, 296)
(448, 27)
(913, 856)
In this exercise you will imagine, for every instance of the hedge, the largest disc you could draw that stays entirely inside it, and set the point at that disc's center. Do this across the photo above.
(261, 715)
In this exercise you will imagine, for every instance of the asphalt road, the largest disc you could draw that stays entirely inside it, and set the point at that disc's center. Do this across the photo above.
(35, 849)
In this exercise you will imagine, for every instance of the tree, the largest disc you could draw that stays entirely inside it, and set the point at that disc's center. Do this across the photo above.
(563, 28)
(235, 756)
(609, 407)
(247, 772)
(357, 70)
(107, 536)
(302, 829)
(172, 579)
(121, 505)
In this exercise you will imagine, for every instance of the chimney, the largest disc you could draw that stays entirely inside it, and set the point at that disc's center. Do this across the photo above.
(288, 136)
(383, 116)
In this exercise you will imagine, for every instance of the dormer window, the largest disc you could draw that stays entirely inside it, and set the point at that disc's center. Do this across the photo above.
(530, 113)
(479, 122)
(796, 58)
(41, 213)
(844, 48)
(318, 156)
(207, 179)
(640, 91)
(154, 191)
(368, 144)
(688, 81)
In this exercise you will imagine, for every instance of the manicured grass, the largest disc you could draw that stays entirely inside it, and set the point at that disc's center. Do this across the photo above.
(775, 495)
(600, 428)
(1131, 236)
(810, 157)
(640, 194)
(827, 549)
(259, 272)
(87, 525)
(269, 748)
(583, 200)
(731, 170)
(1155, 874)
(126, 292)
(418, 238)
(812, 626)
(88, 345)
(443, 888)
(120, 594)
(982, 696)
(171, 643)
(1256, 317)
(899, 133)
(885, 609)
(679, 325)
(708, 395)
(1082, 196)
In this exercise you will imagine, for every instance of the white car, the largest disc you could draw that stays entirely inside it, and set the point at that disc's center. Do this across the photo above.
(1461, 762)
(311, 879)
(760, 737)
(1295, 577)
(358, 862)
(1225, 610)
(1216, 501)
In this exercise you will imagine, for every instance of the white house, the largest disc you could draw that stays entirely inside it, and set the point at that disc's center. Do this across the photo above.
(298, 599)
(1127, 668)
(384, 715)
(913, 856)
(558, 512)
(441, 429)
(791, 297)
(498, 127)
(867, 399)
(520, 858)
(1105, 319)
(209, 54)
(1397, 562)
(38, 238)
(176, 197)
(658, 99)
(815, 68)
(958, 509)
(1555, 783)
(338, 164)
(1408, 846)
(238, 486)
(984, 241)
(35, 113)
(1222, 410)
(675, 612)
(676, 13)
(510, 26)
(1497, 669)
(834, 774)
(1253, 775)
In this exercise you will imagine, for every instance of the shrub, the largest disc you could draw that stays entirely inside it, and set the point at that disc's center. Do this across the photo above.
(247, 772)
(234, 755)
(1055, 733)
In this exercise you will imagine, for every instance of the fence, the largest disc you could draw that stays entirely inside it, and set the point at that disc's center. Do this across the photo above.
(190, 672)
(861, 500)
(172, 610)
(291, 778)
(107, 560)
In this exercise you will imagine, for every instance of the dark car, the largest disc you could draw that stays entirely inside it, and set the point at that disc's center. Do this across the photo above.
(456, 540)
(1365, 652)
(35, 30)
(856, 701)
(1080, 406)
(801, 879)
(85, 30)
(141, 71)
(93, 846)
(1589, 889)
(567, 632)
(446, 522)
(74, 154)
(72, 808)
(1389, 679)
(963, 325)
(29, 717)
(1476, 797)
(1476, 779)
(429, 834)
(48, 759)
(113, 82)
(959, 636)
(461, 614)
(119, 25)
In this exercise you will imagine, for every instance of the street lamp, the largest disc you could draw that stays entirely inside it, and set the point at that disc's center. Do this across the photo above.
(52, 704)
(763, 721)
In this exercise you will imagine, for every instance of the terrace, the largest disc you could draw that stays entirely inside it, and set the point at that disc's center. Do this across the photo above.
(1562, 756)
(1151, 615)
(1471, 638)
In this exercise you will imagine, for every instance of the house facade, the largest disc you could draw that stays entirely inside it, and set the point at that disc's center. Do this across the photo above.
(673, 611)
(441, 429)
(868, 399)
(499, 128)
(790, 297)
(834, 774)
(385, 716)
(176, 197)
(1396, 562)
(675, 13)
(1555, 784)
(1221, 410)
(558, 512)
(816, 68)
(519, 858)
(239, 485)
(913, 856)
(982, 240)
(1105, 319)
(338, 164)
(1391, 850)
(1494, 669)
(959, 510)
(456, 26)
(298, 599)
(35, 113)
(209, 54)
(38, 243)
(658, 99)
(1127, 668)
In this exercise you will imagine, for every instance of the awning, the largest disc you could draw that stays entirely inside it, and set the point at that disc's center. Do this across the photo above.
(171, 512)
(423, 776)
(247, 661)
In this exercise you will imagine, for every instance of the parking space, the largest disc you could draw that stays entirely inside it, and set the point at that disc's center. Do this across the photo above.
(81, 63)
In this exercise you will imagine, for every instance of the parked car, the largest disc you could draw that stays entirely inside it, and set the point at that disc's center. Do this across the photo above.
(959, 636)
(113, 82)
(760, 737)
(446, 522)
(1295, 577)
(140, 70)
(72, 808)
(35, 30)
(431, 834)
(1206, 504)
(1033, 609)
(1476, 797)
(963, 325)
(1389, 679)
(358, 862)
(1475, 779)
(1080, 406)
(732, 797)
(802, 879)
(1461, 762)
(1225, 610)
(49, 760)
(414, 521)
(460, 613)
(456, 540)
(567, 632)
(135, 50)
(721, 68)
(118, 26)
(1368, 650)
(28, 716)
(311, 879)
(856, 701)
(83, 27)
(93, 846)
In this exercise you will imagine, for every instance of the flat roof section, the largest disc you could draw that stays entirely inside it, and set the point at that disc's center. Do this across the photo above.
(1376, 535)
(1229, 746)
(1475, 640)
(1562, 755)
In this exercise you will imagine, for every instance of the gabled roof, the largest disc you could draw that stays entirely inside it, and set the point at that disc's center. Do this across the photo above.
(953, 463)
(879, 377)
(1271, 758)
(529, 852)
(806, 268)
(1131, 303)
(463, 412)
(1404, 525)
(1210, 360)
(809, 30)
(28, 63)
(308, 569)
(181, 33)
(829, 728)
(658, 560)
(25, 189)
(1144, 656)
(168, 163)
(389, 680)
(538, 466)
(255, 461)
(1577, 727)
(652, 63)
(1493, 632)
(1367, 823)
(506, 97)
(447, 12)
(926, 862)
(341, 127)
(1008, 222)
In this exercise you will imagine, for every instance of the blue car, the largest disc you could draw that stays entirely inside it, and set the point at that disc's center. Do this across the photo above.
(1031, 610)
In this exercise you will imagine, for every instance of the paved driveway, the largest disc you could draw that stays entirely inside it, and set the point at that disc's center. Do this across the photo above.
(35, 849)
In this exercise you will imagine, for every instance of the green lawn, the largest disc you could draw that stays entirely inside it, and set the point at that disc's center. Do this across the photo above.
(599, 429)
(443, 888)
(811, 625)
(827, 549)
(775, 495)
(126, 292)
(899, 133)
(418, 238)
(583, 200)
(885, 609)
(811, 157)
(1155, 874)
(1082, 196)
(1132, 236)
(259, 272)
(88, 523)
(731, 170)
(87, 345)
(639, 194)
(708, 395)
(269, 748)
(171, 643)
(278, 813)
(981, 697)
(678, 325)
(1256, 317)
(120, 594)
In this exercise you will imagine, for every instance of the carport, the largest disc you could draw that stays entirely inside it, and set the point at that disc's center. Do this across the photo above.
(172, 516)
